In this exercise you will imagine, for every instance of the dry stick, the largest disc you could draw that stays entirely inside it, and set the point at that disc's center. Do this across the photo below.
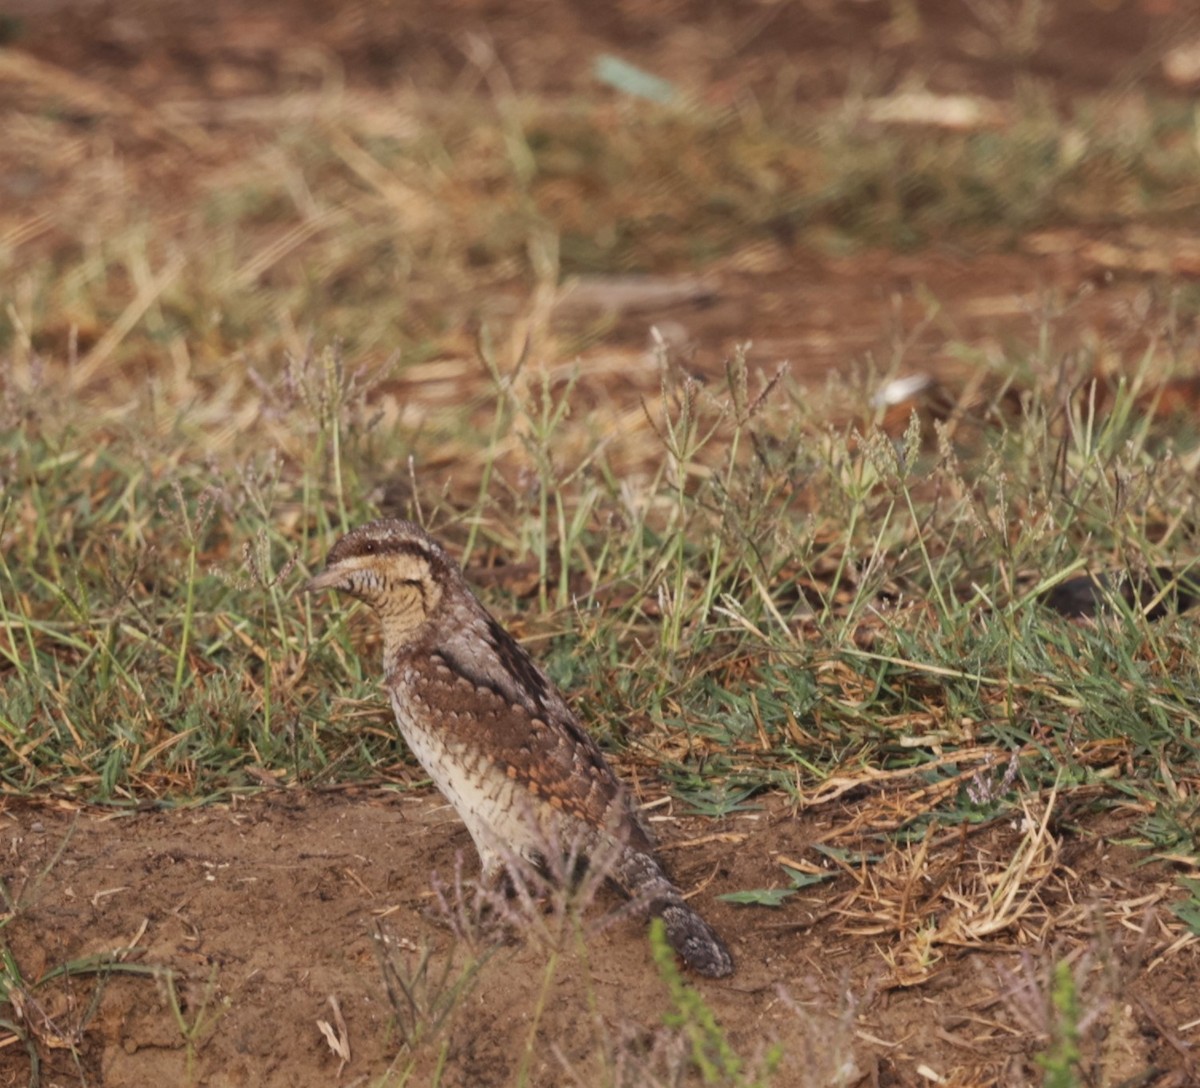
(96, 97)
(274, 252)
(134, 312)
(26, 230)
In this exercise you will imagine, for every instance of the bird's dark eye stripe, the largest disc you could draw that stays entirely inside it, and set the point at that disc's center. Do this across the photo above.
(348, 548)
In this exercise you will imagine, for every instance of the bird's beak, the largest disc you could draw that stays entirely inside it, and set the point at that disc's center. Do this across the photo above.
(327, 579)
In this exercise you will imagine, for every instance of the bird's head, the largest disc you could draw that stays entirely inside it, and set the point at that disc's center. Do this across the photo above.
(395, 567)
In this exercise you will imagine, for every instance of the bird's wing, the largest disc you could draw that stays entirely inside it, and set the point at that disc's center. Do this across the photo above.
(498, 698)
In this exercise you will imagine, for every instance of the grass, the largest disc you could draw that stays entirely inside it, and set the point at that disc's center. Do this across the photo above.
(711, 1052)
(168, 602)
(396, 224)
(748, 585)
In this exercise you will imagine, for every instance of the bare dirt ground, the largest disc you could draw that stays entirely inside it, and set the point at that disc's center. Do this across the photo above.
(265, 909)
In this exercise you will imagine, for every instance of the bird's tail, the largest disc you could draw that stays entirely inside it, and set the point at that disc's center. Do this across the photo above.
(691, 936)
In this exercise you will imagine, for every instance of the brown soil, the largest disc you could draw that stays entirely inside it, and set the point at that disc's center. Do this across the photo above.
(266, 909)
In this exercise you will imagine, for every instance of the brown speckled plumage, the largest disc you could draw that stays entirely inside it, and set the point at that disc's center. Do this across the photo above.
(492, 730)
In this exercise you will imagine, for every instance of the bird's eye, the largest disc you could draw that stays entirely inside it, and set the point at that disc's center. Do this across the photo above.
(369, 547)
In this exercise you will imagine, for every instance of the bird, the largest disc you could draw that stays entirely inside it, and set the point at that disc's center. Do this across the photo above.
(495, 734)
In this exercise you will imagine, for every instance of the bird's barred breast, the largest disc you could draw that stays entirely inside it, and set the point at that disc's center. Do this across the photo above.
(498, 814)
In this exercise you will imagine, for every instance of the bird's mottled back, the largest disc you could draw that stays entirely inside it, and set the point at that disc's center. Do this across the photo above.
(492, 730)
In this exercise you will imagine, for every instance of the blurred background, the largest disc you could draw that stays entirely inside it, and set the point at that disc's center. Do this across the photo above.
(903, 187)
